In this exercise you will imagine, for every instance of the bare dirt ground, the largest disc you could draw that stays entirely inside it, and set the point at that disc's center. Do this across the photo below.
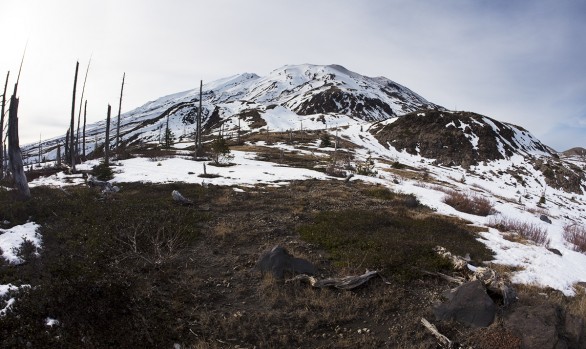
(138, 270)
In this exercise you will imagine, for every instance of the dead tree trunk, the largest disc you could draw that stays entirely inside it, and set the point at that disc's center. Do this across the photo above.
(238, 130)
(72, 126)
(58, 154)
(198, 124)
(119, 110)
(84, 122)
(67, 147)
(107, 141)
(79, 113)
(40, 148)
(2, 127)
(14, 152)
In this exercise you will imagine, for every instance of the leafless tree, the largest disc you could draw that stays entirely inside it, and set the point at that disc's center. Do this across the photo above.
(107, 141)
(119, 110)
(2, 127)
(198, 124)
(72, 126)
(80, 104)
(84, 122)
(14, 152)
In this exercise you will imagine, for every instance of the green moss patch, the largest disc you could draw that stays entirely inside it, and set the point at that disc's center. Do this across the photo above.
(396, 243)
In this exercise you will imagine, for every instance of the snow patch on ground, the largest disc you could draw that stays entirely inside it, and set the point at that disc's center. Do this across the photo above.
(11, 239)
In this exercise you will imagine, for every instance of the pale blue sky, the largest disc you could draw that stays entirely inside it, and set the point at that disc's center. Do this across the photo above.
(517, 61)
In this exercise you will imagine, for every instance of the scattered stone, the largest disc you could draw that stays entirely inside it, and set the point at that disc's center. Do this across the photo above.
(177, 197)
(555, 251)
(545, 218)
(468, 304)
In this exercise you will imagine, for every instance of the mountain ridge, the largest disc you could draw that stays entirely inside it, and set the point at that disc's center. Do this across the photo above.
(326, 97)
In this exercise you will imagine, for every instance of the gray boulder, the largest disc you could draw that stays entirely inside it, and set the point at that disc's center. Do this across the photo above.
(545, 326)
(279, 262)
(468, 304)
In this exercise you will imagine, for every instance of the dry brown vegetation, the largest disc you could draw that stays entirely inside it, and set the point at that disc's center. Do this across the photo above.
(576, 235)
(468, 202)
(528, 231)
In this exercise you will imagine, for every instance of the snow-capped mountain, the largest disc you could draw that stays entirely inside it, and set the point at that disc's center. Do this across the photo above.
(311, 97)
(331, 94)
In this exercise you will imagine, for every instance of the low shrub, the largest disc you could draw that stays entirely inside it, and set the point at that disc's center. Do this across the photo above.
(576, 234)
(396, 243)
(528, 231)
(106, 271)
(469, 203)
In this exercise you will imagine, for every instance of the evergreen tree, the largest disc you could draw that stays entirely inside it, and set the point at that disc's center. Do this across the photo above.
(220, 150)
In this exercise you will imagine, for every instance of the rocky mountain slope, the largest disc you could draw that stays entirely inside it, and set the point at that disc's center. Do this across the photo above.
(314, 97)
(319, 95)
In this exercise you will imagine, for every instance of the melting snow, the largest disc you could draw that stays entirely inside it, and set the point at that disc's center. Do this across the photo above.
(11, 239)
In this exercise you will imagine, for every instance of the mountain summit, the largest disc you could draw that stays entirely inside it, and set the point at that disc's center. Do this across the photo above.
(326, 97)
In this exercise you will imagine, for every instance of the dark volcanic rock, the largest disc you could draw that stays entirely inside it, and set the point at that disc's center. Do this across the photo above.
(560, 175)
(545, 218)
(334, 100)
(280, 262)
(537, 326)
(469, 304)
(456, 138)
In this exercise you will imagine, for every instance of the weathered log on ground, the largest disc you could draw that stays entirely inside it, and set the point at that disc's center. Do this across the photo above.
(342, 283)
(494, 283)
(106, 187)
(444, 341)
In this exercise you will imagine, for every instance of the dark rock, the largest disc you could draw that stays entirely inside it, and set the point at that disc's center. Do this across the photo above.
(542, 326)
(561, 175)
(468, 304)
(545, 218)
(555, 251)
(280, 262)
(575, 331)
(447, 137)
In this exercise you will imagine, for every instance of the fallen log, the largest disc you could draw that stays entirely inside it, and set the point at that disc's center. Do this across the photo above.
(444, 341)
(343, 283)
(106, 187)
